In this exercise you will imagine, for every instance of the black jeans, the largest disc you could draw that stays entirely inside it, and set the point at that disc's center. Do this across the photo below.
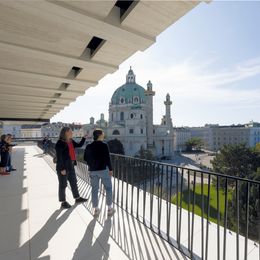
(4, 159)
(63, 179)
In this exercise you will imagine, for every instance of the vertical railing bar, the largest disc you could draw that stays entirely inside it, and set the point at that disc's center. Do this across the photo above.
(180, 216)
(259, 220)
(122, 182)
(202, 214)
(118, 177)
(132, 182)
(128, 166)
(144, 189)
(114, 177)
(218, 221)
(170, 207)
(152, 195)
(160, 199)
(208, 216)
(225, 219)
(193, 206)
(142, 169)
(189, 210)
(158, 195)
(237, 220)
(177, 201)
(147, 169)
(138, 191)
(167, 201)
(247, 219)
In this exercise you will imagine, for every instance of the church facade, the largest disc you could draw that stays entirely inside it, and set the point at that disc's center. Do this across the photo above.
(131, 120)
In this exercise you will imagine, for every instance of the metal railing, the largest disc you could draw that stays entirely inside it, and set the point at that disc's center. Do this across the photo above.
(200, 213)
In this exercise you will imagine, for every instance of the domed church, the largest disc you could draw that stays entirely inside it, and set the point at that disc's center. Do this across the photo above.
(131, 119)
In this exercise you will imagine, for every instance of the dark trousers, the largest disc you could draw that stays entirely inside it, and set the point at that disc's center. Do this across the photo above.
(64, 179)
(9, 162)
(4, 159)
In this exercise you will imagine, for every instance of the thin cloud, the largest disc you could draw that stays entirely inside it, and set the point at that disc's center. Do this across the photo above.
(190, 78)
(189, 81)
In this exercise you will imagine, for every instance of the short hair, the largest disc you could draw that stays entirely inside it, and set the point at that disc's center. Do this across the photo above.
(97, 133)
(63, 132)
(9, 135)
(3, 137)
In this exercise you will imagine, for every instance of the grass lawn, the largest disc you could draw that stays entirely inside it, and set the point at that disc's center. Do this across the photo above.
(198, 201)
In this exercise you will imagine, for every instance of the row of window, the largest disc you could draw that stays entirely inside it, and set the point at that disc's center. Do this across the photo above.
(238, 133)
(135, 100)
(131, 131)
(231, 133)
(231, 138)
(122, 116)
(231, 142)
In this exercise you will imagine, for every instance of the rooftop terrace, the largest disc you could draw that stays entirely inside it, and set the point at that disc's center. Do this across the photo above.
(144, 226)
(32, 226)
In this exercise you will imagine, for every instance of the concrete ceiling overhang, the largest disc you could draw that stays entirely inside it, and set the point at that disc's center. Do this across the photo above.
(51, 52)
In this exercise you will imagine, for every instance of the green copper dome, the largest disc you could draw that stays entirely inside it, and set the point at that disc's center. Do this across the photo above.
(130, 92)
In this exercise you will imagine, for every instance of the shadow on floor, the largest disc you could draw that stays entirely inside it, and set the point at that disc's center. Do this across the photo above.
(135, 240)
(39, 242)
(40, 155)
(131, 236)
(12, 213)
(92, 251)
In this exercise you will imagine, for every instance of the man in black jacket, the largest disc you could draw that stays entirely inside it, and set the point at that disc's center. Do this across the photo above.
(98, 159)
(66, 159)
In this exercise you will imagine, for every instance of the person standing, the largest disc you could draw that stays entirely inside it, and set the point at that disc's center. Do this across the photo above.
(4, 151)
(10, 149)
(66, 160)
(98, 160)
(45, 144)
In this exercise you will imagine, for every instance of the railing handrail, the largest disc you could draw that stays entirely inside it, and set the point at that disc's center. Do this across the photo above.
(27, 138)
(190, 169)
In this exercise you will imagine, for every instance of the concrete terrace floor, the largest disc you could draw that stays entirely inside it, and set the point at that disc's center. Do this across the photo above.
(33, 227)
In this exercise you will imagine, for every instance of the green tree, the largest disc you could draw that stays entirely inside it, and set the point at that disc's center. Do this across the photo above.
(236, 160)
(254, 216)
(194, 143)
(241, 161)
(145, 154)
(257, 147)
(115, 146)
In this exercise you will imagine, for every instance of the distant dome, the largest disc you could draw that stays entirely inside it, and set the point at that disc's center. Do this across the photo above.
(130, 92)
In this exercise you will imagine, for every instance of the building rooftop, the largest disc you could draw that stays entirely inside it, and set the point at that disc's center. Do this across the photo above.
(30, 126)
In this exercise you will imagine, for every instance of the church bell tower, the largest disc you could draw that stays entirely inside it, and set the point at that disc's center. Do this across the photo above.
(149, 121)
(168, 103)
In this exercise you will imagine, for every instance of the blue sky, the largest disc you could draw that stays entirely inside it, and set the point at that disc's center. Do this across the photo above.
(208, 61)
